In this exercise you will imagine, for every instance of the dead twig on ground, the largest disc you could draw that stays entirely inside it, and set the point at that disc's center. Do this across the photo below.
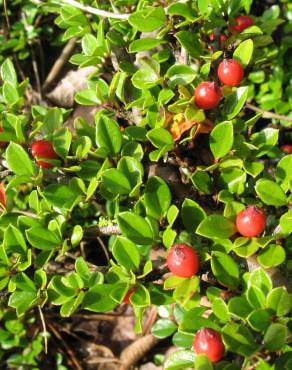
(59, 63)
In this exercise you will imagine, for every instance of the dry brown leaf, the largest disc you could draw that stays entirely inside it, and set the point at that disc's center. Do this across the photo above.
(178, 125)
(63, 94)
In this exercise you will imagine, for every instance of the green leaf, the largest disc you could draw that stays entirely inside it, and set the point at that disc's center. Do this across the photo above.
(62, 142)
(77, 235)
(148, 75)
(22, 301)
(238, 339)
(108, 134)
(126, 253)
(235, 102)
(8, 72)
(261, 280)
(221, 139)
(265, 140)
(279, 301)
(202, 181)
(255, 297)
(141, 297)
(192, 214)
(275, 337)
(190, 41)
(160, 137)
(116, 182)
(148, 19)
(245, 247)
(239, 307)
(98, 298)
(286, 222)
(157, 197)
(19, 161)
(133, 170)
(283, 172)
(135, 227)
(186, 290)
(14, 241)
(10, 93)
(225, 269)
(144, 44)
(216, 226)
(163, 328)
(180, 74)
(270, 193)
(182, 9)
(243, 52)
(202, 363)
(89, 44)
(42, 238)
(271, 256)
(61, 196)
(220, 309)
(259, 320)
(180, 360)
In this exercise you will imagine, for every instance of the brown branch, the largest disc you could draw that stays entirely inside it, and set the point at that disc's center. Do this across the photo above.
(95, 231)
(267, 114)
(59, 63)
(136, 350)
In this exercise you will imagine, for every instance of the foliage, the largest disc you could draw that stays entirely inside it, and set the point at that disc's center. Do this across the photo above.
(147, 68)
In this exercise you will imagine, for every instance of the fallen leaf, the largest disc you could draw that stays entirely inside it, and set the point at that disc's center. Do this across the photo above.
(3, 200)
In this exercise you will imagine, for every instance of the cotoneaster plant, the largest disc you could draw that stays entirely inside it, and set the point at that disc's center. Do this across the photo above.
(173, 198)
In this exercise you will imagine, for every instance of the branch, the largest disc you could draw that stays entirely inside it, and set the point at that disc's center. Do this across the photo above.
(267, 114)
(95, 231)
(90, 9)
(59, 63)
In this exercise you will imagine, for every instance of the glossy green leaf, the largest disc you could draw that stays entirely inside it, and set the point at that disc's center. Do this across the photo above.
(157, 197)
(135, 227)
(216, 226)
(192, 214)
(225, 269)
(275, 337)
(270, 193)
(163, 328)
(221, 139)
(19, 161)
(126, 253)
(148, 19)
(271, 256)
(243, 52)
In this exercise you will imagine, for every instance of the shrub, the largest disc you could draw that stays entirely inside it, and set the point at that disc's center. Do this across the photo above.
(152, 170)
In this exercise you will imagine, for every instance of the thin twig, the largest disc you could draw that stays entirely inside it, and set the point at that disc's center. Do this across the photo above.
(6, 14)
(69, 351)
(104, 248)
(44, 328)
(58, 65)
(267, 114)
(94, 231)
(90, 9)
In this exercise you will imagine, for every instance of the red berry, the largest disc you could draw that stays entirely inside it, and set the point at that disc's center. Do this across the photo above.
(230, 72)
(182, 260)
(286, 148)
(208, 341)
(43, 149)
(251, 221)
(207, 95)
(126, 299)
(241, 23)
(3, 199)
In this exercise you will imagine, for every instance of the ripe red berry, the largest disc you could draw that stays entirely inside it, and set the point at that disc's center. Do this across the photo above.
(251, 221)
(207, 95)
(287, 148)
(208, 341)
(126, 299)
(3, 199)
(43, 149)
(230, 72)
(182, 260)
(241, 23)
